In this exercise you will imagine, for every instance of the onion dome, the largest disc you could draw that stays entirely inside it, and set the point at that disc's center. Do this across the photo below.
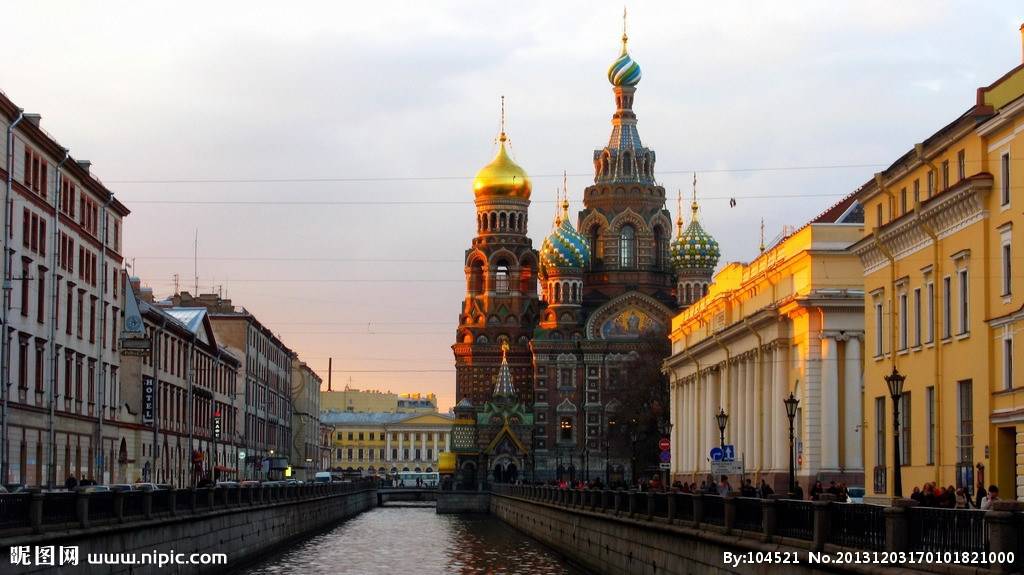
(564, 247)
(624, 71)
(694, 250)
(502, 177)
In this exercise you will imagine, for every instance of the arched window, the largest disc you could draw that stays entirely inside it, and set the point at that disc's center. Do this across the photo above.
(494, 221)
(501, 279)
(627, 247)
(596, 249)
(476, 276)
(627, 163)
(705, 289)
(558, 292)
(689, 294)
(503, 221)
(527, 280)
(575, 294)
(660, 246)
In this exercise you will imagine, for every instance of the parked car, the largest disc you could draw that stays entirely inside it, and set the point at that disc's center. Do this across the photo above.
(856, 494)
(122, 487)
(249, 483)
(228, 484)
(147, 487)
(16, 488)
(95, 489)
(322, 477)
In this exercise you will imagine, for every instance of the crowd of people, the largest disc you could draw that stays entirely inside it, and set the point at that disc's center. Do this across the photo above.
(932, 495)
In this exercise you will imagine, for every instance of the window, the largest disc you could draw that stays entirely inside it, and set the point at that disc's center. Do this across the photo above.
(917, 317)
(627, 246)
(878, 215)
(931, 183)
(917, 189)
(1008, 361)
(929, 397)
(905, 428)
(565, 377)
(24, 286)
(1004, 184)
(945, 175)
(961, 165)
(880, 431)
(947, 306)
(964, 301)
(965, 408)
(903, 201)
(1007, 266)
(501, 279)
(903, 321)
(565, 429)
(879, 334)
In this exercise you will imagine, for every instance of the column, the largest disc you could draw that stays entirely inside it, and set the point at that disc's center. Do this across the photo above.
(853, 404)
(829, 416)
(437, 454)
(739, 414)
(768, 407)
(423, 446)
(387, 446)
(753, 413)
(400, 455)
(780, 433)
(712, 397)
(674, 403)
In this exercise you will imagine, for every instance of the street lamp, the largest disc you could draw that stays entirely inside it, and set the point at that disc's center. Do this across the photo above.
(723, 420)
(895, 382)
(791, 403)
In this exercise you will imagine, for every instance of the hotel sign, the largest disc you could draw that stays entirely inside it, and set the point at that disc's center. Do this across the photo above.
(148, 399)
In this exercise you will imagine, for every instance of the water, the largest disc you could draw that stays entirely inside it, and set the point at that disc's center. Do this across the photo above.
(416, 540)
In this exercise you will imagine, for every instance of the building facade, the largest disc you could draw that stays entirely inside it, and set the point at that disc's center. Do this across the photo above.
(60, 388)
(790, 321)
(386, 443)
(183, 390)
(940, 246)
(305, 454)
(265, 382)
(608, 291)
(374, 401)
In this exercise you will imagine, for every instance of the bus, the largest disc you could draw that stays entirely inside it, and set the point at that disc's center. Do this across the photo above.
(408, 478)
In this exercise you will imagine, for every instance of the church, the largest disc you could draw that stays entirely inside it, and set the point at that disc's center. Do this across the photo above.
(551, 343)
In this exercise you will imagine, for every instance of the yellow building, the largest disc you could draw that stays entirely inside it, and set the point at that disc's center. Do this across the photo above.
(791, 321)
(386, 443)
(943, 301)
(373, 401)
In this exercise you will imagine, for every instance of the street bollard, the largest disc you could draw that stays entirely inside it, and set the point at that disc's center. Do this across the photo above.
(670, 509)
(769, 517)
(172, 500)
(1004, 523)
(821, 509)
(35, 512)
(147, 504)
(698, 509)
(119, 506)
(897, 525)
(729, 512)
(82, 509)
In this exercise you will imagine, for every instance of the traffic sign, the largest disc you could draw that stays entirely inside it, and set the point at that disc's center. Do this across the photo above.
(728, 453)
(665, 466)
(666, 456)
(664, 444)
(727, 467)
(716, 454)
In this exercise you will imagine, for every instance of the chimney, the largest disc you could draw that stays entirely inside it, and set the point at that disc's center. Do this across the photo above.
(84, 164)
(33, 119)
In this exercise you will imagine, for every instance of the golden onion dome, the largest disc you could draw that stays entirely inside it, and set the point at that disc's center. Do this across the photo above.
(502, 177)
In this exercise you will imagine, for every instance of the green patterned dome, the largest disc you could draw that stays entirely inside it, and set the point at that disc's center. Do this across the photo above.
(564, 247)
(694, 250)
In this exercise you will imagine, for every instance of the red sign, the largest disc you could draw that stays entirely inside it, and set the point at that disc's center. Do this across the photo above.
(664, 444)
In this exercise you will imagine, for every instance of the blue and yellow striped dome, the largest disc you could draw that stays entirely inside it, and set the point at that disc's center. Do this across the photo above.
(694, 250)
(564, 247)
(624, 71)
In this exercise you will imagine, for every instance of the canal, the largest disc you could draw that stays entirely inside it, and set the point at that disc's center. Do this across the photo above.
(416, 540)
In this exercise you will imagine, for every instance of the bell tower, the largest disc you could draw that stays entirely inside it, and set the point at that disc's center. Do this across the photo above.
(500, 306)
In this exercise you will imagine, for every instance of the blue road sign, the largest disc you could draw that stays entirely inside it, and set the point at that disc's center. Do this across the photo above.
(716, 454)
(729, 453)
(666, 456)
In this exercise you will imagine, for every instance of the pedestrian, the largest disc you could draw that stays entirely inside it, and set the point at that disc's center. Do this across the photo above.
(798, 491)
(71, 483)
(766, 490)
(980, 495)
(992, 497)
(816, 490)
(724, 488)
(747, 490)
(963, 501)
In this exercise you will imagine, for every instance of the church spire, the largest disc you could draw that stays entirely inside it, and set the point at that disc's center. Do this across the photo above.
(693, 205)
(503, 388)
(679, 213)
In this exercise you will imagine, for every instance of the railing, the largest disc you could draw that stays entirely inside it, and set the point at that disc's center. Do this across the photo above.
(796, 519)
(41, 512)
(933, 529)
(749, 514)
(14, 510)
(803, 524)
(857, 526)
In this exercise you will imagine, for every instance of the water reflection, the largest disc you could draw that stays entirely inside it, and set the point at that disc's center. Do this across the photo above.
(416, 540)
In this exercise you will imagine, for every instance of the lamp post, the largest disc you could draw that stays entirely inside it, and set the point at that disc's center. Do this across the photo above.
(895, 382)
(665, 427)
(791, 402)
(723, 420)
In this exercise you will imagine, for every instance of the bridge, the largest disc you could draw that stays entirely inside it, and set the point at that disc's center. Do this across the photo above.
(405, 494)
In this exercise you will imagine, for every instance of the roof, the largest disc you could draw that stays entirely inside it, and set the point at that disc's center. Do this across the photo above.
(363, 418)
(192, 317)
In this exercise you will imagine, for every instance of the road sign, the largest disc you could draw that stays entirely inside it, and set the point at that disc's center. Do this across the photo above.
(716, 454)
(666, 456)
(726, 467)
(664, 444)
(728, 453)
(241, 455)
(665, 466)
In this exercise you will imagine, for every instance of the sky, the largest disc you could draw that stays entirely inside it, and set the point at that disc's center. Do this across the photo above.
(323, 152)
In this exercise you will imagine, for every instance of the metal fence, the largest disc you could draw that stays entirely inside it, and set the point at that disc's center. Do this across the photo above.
(749, 513)
(796, 519)
(684, 506)
(101, 506)
(935, 529)
(857, 525)
(14, 510)
(714, 509)
(59, 507)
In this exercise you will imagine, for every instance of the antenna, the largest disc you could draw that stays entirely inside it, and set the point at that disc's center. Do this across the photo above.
(195, 261)
(176, 284)
(761, 247)
(330, 365)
